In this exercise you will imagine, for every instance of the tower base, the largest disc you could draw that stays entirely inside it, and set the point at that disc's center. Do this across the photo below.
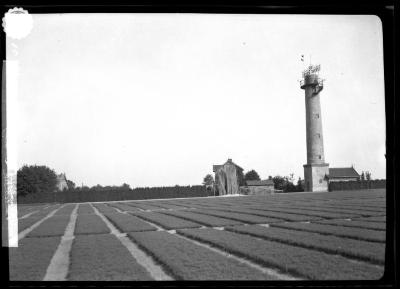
(315, 177)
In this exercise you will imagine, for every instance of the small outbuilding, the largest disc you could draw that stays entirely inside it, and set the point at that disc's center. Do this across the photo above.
(343, 174)
(262, 187)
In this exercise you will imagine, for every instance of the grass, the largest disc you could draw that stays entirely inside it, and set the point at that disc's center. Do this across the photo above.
(103, 208)
(362, 250)
(54, 226)
(103, 258)
(202, 219)
(356, 224)
(66, 210)
(277, 215)
(128, 223)
(378, 219)
(187, 261)
(27, 222)
(307, 263)
(85, 209)
(123, 207)
(29, 261)
(250, 219)
(306, 212)
(166, 221)
(90, 224)
(319, 209)
(142, 206)
(354, 233)
(321, 250)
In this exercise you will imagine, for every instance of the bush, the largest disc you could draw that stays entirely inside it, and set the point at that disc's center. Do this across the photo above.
(35, 180)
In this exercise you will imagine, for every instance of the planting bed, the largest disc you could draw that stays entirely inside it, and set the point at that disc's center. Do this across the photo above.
(282, 236)
(90, 224)
(128, 223)
(367, 251)
(355, 233)
(166, 221)
(299, 261)
(202, 219)
(103, 257)
(187, 261)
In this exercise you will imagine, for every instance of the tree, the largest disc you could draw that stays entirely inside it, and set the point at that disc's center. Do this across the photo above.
(279, 182)
(252, 175)
(208, 180)
(368, 176)
(362, 176)
(35, 179)
(286, 185)
(126, 186)
(299, 186)
(71, 185)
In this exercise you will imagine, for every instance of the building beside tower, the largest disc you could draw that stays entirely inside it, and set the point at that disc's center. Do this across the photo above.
(316, 171)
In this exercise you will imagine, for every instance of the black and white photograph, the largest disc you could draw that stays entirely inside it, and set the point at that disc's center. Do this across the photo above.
(194, 146)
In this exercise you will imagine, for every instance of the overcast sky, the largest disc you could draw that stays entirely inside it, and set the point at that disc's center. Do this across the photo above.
(157, 99)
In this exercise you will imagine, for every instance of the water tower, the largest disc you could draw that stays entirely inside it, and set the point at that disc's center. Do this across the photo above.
(316, 170)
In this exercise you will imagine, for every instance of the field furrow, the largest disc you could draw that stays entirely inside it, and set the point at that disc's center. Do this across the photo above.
(128, 223)
(27, 222)
(103, 208)
(29, 261)
(166, 221)
(187, 261)
(66, 210)
(54, 226)
(84, 209)
(356, 224)
(249, 219)
(124, 207)
(289, 259)
(377, 219)
(142, 206)
(202, 219)
(367, 251)
(90, 224)
(269, 214)
(103, 258)
(354, 233)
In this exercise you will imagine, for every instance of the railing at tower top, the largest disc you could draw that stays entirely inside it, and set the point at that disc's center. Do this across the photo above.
(310, 77)
(312, 82)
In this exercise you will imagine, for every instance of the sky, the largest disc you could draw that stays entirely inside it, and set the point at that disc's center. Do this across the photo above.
(157, 99)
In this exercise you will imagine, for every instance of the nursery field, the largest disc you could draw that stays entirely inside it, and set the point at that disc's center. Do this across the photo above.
(299, 236)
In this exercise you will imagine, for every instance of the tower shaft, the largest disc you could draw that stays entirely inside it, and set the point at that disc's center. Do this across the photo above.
(316, 170)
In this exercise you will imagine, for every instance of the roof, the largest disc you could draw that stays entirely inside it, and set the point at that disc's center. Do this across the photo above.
(229, 161)
(343, 172)
(260, 183)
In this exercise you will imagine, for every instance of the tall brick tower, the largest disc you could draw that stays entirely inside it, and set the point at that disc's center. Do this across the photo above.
(316, 170)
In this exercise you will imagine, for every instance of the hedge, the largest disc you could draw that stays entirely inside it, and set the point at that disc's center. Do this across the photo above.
(115, 194)
(357, 185)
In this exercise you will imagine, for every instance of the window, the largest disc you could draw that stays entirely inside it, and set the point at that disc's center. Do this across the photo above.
(318, 135)
(319, 157)
(317, 115)
(320, 181)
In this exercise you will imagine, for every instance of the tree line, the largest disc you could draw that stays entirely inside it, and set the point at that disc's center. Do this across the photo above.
(39, 184)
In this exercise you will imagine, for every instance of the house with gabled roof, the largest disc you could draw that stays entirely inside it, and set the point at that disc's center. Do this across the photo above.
(228, 178)
(62, 182)
(343, 174)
